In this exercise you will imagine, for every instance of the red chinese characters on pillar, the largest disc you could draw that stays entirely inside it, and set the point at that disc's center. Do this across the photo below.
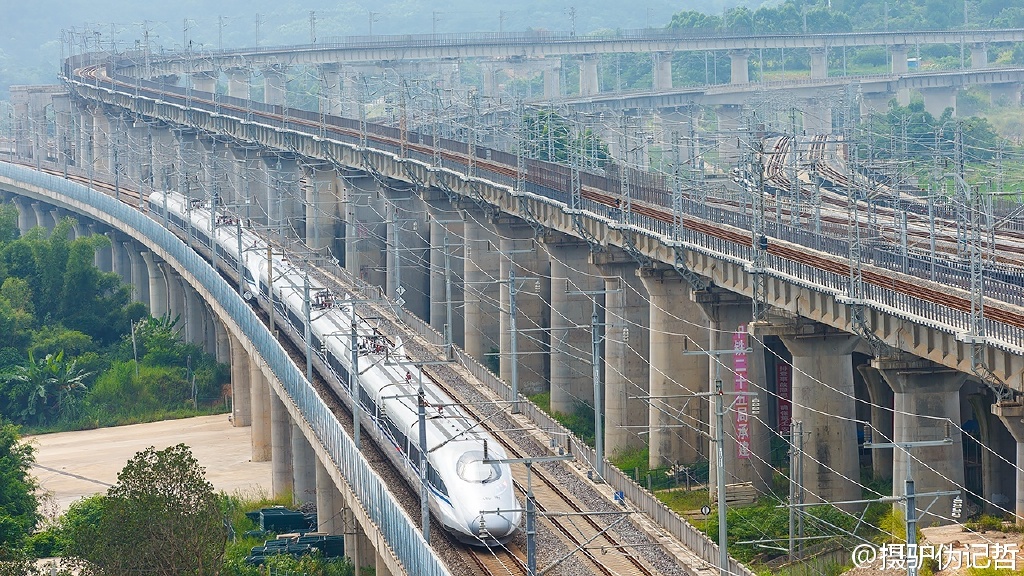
(784, 390)
(742, 403)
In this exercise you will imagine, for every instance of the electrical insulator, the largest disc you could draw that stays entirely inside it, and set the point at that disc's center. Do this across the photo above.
(958, 506)
(625, 334)
(755, 406)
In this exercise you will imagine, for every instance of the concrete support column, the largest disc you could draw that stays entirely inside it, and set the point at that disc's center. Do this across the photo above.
(481, 288)
(730, 123)
(26, 215)
(260, 402)
(24, 127)
(874, 102)
(823, 399)
(553, 81)
(926, 396)
(519, 252)
(899, 59)
(817, 117)
(43, 216)
(204, 82)
(381, 568)
(747, 436)
(303, 468)
(357, 546)
(739, 66)
(241, 405)
(588, 75)
(175, 297)
(365, 231)
(662, 73)
(408, 275)
(1011, 415)
(85, 138)
(157, 286)
(882, 404)
(238, 83)
(321, 206)
(490, 73)
(572, 378)
(676, 324)
(101, 258)
(222, 346)
(626, 348)
(64, 128)
(330, 89)
(326, 513)
(274, 86)
(195, 328)
(979, 55)
(165, 157)
(281, 447)
(446, 227)
(1006, 94)
(140, 274)
(936, 100)
(819, 62)
(120, 264)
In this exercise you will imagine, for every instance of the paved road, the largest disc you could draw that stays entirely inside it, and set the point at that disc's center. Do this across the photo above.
(70, 465)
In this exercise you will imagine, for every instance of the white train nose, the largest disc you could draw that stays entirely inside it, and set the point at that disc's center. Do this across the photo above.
(493, 525)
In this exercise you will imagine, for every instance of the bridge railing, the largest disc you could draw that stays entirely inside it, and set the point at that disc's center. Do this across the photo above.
(400, 532)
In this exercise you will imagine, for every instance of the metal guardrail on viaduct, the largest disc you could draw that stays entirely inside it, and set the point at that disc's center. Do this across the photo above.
(539, 44)
(914, 304)
(378, 503)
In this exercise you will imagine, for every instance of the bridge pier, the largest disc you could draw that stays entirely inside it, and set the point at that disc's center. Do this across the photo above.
(303, 468)
(26, 216)
(877, 102)
(572, 378)
(747, 452)
(119, 263)
(925, 396)
(446, 226)
(626, 346)
(817, 117)
(190, 184)
(204, 82)
(280, 447)
(830, 455)
(408, 271)
(157, 286)
(1006, 94)
(274, 85)
(519, 252)
(86, 136)
(241, 395)
(329, 100)
(936, 100)
(328, 511)
(882, 404)
(140, 273)
(64, 129)
(662, 71)
(175, 300)
(481, 287)
(553, 80)
(101, 141)
(321, 205)
(900, 67)
(588, 75)
(730, 124)
(260, 402)
(819, 63)
(739, 66)
(101, 258)
(365, 232)
(979, 55)
(1010, 414)
(238, 82)
(676, 324)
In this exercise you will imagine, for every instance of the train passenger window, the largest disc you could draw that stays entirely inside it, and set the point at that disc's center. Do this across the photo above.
(471, 468)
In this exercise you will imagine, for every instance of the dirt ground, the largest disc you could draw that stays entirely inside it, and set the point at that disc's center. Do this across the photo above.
(71, 465)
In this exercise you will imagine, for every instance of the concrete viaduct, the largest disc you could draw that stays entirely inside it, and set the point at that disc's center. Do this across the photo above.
(390, 212)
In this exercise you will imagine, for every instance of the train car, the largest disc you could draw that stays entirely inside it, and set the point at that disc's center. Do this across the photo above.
(475, 501)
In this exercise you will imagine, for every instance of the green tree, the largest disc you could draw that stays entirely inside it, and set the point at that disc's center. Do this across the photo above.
(18, 505)
(162, 517)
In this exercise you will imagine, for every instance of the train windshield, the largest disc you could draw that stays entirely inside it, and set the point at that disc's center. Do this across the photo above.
(471, 468)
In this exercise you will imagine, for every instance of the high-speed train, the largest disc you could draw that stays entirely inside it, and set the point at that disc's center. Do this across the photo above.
(473, 500)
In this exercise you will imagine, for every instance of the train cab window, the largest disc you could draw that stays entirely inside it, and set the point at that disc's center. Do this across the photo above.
(471, 468)
(435, 480)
